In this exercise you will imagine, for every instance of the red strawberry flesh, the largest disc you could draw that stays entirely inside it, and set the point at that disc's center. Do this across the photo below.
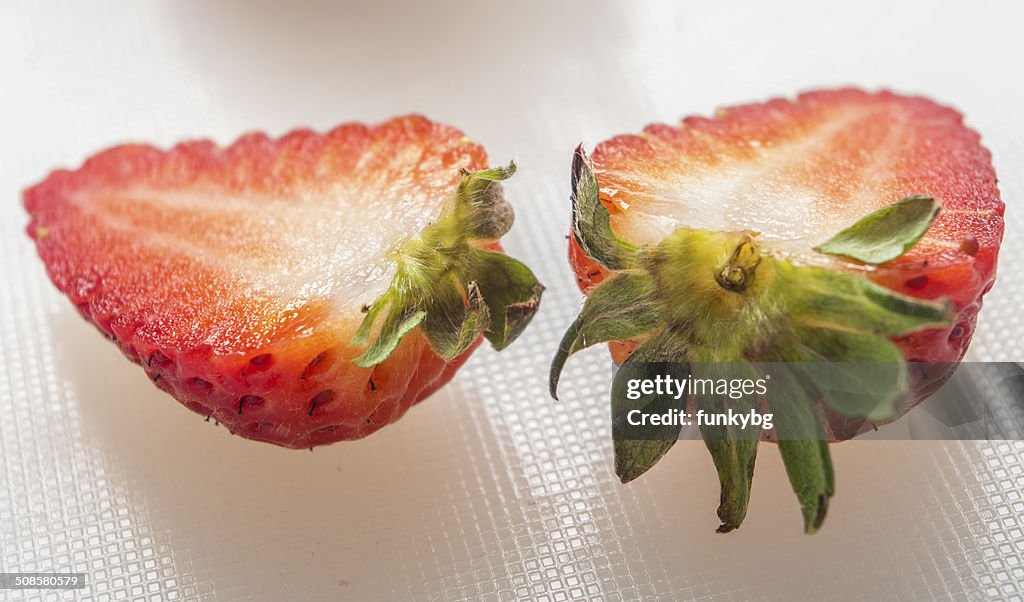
(237, 276)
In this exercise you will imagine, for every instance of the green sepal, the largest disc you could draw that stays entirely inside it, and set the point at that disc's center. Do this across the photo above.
(451, 324)
(809, 468)
(452, 289)
(846, 300)
(885, 234)
(509, 289)
(663, 353)
(803, 447)
(399, 321)
(866, 376)
(732, 449)
(622, 307)
(591, 222)
(734, 462)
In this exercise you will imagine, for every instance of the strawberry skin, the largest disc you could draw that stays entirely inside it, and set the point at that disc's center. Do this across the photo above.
(852, 152)
(238, 276)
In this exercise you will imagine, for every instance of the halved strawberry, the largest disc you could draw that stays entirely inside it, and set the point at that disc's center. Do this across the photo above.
(301, 290)
(729, 239)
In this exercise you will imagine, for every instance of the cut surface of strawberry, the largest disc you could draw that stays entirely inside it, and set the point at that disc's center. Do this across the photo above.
(797, 171)
(239, 276)
(840, 226)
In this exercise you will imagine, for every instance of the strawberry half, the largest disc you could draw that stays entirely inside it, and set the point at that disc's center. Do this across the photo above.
(302, 290)
(841, 227)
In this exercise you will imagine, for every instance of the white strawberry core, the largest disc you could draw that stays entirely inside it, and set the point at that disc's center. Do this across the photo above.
(337, 244)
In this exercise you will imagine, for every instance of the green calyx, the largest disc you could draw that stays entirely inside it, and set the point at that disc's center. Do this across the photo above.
(702, 299)
(450, 288)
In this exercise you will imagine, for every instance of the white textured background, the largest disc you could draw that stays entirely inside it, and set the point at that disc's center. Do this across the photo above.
(489, 489)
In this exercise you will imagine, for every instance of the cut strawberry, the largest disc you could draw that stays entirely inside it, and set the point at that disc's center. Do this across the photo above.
(239, 277)
(841, 227)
